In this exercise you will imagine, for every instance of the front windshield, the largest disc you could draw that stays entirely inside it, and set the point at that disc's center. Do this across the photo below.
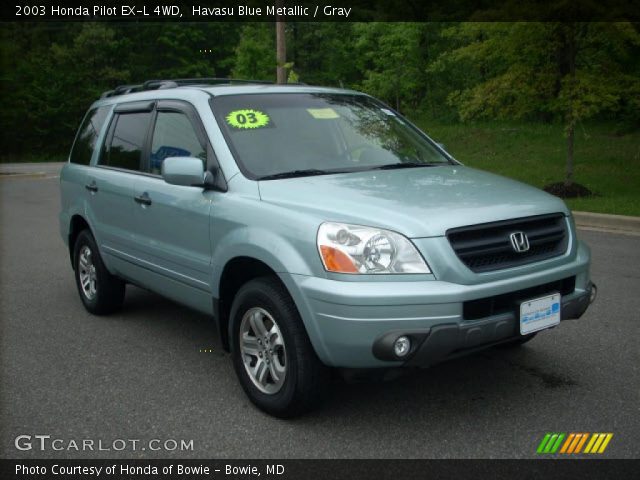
(316, 133)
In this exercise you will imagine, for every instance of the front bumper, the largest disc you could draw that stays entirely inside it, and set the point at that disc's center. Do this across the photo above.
(345, 319)
(445, 341)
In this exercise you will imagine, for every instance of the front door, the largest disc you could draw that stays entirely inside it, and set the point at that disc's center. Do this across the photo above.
(171, 221)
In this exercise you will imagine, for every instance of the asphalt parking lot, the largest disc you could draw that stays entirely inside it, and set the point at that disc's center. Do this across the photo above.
(143, 373)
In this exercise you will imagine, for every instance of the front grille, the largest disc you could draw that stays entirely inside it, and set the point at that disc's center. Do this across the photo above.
(487, 247)
(508, 302)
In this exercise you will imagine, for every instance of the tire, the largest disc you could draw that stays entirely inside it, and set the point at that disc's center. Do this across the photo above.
(295, 379)
(101, 293)
(518, 342)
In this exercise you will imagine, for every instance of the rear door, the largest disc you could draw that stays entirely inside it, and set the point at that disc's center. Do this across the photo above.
(74, 186)
(111, 183)
(171, 222)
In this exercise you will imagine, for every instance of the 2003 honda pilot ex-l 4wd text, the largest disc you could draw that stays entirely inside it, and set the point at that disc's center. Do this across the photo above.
(318, 227)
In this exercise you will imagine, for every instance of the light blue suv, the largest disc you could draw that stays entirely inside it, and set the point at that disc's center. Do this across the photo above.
(318, 227)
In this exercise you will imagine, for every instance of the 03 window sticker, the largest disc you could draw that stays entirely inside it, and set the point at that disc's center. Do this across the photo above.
(248, 119)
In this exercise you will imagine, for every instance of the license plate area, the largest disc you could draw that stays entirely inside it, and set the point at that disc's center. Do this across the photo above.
(540, 313)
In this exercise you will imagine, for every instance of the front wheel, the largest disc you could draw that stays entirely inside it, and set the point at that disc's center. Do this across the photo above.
(101, 293)
(272, 355)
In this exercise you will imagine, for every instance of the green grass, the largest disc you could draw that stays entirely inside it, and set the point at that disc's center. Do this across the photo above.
(606, 163)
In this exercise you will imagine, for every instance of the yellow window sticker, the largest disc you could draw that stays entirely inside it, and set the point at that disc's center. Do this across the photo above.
(247, 118)
(323, 113)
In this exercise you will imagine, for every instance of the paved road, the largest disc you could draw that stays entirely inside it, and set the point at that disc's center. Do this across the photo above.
(141, 374)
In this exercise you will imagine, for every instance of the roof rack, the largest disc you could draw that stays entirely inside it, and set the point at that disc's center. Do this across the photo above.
(177, 82)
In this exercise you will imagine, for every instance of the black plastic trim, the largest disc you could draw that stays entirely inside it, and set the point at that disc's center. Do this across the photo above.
(383, 345)
(131, 107)
(485, 247)
(450, 340)
(222, 338)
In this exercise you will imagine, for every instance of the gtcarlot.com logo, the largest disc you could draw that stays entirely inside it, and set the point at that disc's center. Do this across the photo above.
(574, 443)
(47, 442)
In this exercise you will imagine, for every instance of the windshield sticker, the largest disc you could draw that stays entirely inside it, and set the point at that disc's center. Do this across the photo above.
(323, 113)
(388, 112)
(247, 118)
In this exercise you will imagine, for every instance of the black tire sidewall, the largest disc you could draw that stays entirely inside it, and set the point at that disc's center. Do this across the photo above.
(85, 238)
(110, 289)
(258, 294)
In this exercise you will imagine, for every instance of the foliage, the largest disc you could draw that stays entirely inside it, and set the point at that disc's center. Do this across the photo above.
(323, 53)
(546, 70)
(392, 61)
(52, 72)
(255, 56)
(549, 72)
(565, 71)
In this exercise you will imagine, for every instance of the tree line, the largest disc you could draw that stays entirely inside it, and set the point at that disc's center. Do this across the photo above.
(545, 72)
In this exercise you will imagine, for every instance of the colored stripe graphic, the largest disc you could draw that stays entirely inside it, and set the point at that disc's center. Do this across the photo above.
(605, 443)
(581, 443)
(543, 443)
(591, 442)
(550, 443)
(567, 443)
(598, 442)
(572, 443)
(555, 447)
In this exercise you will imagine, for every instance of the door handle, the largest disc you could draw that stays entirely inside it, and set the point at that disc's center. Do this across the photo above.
(92, 187)
(143, 199)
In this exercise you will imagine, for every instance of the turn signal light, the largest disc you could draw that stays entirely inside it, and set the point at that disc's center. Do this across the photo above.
(337, 261)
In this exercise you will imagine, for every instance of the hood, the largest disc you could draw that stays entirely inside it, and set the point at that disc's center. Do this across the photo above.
(417, 202)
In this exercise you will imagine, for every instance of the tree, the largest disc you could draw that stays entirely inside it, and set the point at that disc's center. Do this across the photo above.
(322, 53)
(281, 47)
(255, 53)
(392, 59)
(53, 71)
(53, 84)
(565, 71)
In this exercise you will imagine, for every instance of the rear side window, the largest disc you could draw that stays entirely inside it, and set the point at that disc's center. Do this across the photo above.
(88, 135)
(126, 141)
(174, 136)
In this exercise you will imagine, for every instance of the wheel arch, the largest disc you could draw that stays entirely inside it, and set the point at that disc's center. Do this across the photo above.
(236, 272)
(77, 224)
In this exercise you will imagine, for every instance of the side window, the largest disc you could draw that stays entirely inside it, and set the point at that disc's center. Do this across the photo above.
(127, 141)
(174, 136)
(87, 136)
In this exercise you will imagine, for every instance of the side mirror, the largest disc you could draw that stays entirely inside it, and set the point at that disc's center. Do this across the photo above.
(185, 171)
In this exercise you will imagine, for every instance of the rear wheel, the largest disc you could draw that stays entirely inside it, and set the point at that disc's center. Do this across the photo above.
(272, 355)
(101, 293)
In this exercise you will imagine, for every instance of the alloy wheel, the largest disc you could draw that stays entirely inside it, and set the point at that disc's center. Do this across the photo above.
(87, 273)
(263, 350)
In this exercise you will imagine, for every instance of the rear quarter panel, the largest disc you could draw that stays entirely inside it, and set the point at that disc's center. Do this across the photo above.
(72, 196)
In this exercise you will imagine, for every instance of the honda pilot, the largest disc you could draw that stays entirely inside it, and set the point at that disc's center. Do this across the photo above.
(317, 227)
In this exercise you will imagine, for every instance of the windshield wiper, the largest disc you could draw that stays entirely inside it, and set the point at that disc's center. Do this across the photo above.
(396, 166)
(295, 173)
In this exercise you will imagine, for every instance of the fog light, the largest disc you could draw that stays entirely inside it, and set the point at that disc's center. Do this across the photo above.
(401, 346)
(594, 293)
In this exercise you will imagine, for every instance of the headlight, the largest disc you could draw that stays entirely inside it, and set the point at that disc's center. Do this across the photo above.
(356, 249)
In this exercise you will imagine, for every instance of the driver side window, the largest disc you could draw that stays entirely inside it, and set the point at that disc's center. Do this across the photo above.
(174, 136)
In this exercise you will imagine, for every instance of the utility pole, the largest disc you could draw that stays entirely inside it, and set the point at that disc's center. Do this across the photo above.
(281, 48)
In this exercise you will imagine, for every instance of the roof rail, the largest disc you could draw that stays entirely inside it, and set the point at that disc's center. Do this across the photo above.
(177, 82)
